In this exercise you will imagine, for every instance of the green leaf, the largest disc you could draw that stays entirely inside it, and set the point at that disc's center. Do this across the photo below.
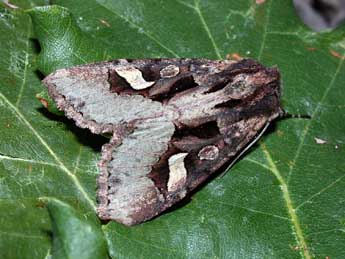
(63, 43)
(74, 236)
(285, 199)
(40, 155)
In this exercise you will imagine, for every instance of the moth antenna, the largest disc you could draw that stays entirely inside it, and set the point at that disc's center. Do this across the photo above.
(246, 149)
(287, 115)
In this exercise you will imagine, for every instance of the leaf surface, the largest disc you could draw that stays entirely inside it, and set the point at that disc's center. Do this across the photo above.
(74, 236)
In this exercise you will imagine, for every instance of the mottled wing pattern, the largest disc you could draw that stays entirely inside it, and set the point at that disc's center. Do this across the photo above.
(174, 122)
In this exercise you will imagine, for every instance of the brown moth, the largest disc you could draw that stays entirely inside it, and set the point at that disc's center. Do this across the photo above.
(174, 123)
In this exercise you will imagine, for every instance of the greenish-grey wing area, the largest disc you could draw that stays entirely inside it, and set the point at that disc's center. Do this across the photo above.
(84, 94)
(132, 196)
(126, 194)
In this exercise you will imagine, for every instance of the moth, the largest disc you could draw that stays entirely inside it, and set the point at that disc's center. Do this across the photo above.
(173, 124)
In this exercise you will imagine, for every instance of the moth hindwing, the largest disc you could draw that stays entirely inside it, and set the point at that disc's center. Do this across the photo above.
(174, 122)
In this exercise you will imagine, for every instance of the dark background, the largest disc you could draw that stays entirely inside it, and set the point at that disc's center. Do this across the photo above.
(321, 14)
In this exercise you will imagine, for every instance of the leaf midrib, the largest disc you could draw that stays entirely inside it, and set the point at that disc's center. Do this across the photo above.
(304, 250)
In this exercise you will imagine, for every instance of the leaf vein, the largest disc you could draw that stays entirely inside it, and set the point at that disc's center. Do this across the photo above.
(26, 64)
(291, 210)
(264, 36)
(197, 9)
(320, 192)
(308, 124)
(31, 161)
(149, 35)
(257, 163)
(251, 210)
(77, 161)
(75, 180)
